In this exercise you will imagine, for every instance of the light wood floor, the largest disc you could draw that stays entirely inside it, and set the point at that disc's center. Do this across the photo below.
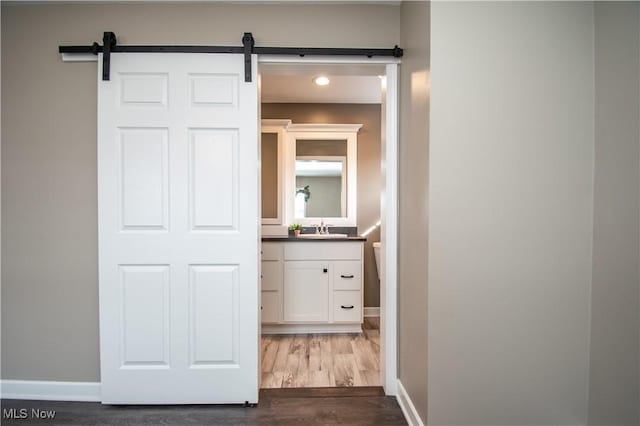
(322, 360)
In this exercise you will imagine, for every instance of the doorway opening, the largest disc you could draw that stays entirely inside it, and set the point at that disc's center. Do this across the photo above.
(328, 316)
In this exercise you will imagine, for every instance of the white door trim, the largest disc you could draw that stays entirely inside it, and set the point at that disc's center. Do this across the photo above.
(389, 236)
(289, 59)
(389, 220)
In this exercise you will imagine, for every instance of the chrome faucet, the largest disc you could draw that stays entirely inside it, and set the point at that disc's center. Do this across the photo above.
(324, 227)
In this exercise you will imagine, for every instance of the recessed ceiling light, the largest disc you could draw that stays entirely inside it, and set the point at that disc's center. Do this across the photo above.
(321, 80)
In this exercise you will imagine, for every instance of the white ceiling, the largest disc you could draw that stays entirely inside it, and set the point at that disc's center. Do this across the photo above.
(302, 89)
(293, 83)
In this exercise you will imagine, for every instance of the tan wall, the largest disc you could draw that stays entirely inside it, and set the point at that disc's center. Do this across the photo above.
(614, 385)
(510, 216)
(369, 176)
(413, 199)
(49, 200)
(310, 147)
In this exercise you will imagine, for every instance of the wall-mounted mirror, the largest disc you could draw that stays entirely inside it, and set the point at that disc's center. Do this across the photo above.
(321, 186)
(321, 174)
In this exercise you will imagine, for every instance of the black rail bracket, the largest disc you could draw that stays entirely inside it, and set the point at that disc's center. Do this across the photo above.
(247, 43)
(109, 44)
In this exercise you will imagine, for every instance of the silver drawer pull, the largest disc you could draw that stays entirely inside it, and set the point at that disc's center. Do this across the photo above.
(346, 307)
(346, 276)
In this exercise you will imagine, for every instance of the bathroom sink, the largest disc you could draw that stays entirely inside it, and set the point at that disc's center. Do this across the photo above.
(323, 236)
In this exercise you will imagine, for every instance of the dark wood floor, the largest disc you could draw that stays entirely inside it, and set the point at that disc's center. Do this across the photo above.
(328, 406)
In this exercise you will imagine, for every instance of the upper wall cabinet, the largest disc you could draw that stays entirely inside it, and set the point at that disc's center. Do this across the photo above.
(309, 173)
(273, 135)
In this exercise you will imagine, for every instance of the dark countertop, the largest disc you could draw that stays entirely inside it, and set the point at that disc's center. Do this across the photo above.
(284, 238)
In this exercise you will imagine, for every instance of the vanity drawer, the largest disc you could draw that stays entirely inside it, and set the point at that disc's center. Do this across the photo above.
(271, 275)
(271, 306)
(271, 251)
(347, 275)
(347, 306)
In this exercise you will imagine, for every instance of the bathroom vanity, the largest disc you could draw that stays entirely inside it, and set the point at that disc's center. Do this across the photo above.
(312, 285)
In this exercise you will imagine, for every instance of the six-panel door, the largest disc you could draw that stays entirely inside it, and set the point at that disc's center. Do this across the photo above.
(179, 250)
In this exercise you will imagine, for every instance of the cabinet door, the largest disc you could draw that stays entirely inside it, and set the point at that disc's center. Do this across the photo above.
(306, 291)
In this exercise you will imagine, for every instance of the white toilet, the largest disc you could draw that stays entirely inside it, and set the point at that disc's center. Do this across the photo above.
(376, 252)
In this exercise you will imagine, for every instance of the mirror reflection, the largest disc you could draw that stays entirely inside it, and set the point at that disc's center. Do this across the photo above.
(321, 178)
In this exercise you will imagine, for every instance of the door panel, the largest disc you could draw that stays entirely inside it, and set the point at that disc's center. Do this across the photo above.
(145, 335)
(213, 184)
(144, 89)
(178, 229)
(213, 90)
(214, 309)
(143, 164)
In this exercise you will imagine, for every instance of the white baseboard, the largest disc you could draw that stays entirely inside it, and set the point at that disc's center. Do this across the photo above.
(372, 311)
(51, 391)
(310, 328)
(408, 409)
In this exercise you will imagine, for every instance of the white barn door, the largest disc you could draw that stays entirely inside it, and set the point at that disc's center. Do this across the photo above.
(178, 229)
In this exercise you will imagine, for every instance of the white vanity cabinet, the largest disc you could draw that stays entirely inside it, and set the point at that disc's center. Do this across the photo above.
(312, 287)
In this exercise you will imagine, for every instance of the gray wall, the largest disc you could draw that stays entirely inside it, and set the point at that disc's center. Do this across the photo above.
(49, 200)
(511, 202)
(369, 174)
(614, 387)
(413, 203)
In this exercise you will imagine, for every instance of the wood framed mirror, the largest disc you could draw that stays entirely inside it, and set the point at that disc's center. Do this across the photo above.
(321, 174)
